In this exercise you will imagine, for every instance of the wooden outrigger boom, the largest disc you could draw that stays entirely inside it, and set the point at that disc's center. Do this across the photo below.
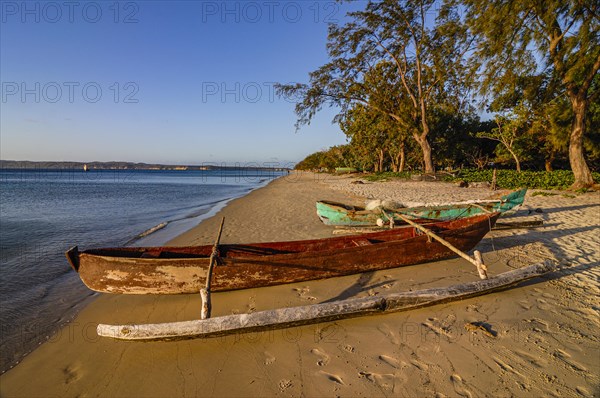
(205, 292)
(324, 312)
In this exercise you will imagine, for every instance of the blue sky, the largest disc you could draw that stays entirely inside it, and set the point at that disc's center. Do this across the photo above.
(152, 81)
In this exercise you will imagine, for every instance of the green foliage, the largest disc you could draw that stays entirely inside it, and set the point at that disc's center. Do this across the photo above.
(328, 160)
(510, 132)
(398, 78)
(516, 39)
(511, 179)
(388, 175)
(542, 193)
(399, 58)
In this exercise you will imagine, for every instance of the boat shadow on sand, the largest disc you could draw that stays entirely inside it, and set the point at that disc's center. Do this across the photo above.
(529, 210)
(574, 257)
(549, 235)
(540, 234)
(362, 285)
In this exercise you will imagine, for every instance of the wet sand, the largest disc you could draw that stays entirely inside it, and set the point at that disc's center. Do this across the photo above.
(542, 337)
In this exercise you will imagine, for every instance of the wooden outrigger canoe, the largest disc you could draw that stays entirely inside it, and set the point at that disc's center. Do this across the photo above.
(333, 213)
(179, 270)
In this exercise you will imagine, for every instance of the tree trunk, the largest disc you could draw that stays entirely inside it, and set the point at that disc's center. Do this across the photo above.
(581, 171)
(398, 160)
(381, 158)
(548, 163)
(426, 149)
(427, 156)
(515, 157)
(402, 159)
(394, 161)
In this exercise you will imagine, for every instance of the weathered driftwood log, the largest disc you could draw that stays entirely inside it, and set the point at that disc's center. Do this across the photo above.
(325, 312)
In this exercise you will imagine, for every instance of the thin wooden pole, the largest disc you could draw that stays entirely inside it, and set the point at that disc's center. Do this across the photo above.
(205, 292)
(477, 261)
(481, 207)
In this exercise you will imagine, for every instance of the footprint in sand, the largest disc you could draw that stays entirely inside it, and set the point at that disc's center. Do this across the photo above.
(269, 358)
(284, 384)
(566, 358)
(393, 362)
(332, 377)
(583, 391)
(526, 305)
(506, 367)
(71, 374)
(303, 293)
(543, 304)
(251, 304)
(389, 333)
(383, 380)
(472, 308)
(537, 362)
(419, 365)
(323, 357)
(459, 386)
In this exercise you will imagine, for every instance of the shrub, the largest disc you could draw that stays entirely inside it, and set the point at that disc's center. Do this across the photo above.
(511, 179)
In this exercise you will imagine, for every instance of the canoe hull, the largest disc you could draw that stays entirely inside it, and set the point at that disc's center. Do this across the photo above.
(267, 264)
(332, 213)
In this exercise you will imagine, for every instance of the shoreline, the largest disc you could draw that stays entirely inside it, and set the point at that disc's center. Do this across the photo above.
(545, 340)
(205, 232)
(153, 239)
(159, 237)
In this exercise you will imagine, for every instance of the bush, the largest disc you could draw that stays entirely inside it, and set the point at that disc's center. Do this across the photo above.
(386, 175)
(511, 179)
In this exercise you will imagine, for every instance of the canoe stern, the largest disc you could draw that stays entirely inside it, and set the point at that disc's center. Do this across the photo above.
(73, 257)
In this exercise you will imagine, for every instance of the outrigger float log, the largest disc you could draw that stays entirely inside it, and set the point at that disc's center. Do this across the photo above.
(324, 312)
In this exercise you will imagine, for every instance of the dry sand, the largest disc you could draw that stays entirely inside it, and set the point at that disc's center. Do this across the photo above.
(543, 336)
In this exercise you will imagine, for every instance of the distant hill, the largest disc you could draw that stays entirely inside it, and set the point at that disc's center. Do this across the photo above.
(26, 164)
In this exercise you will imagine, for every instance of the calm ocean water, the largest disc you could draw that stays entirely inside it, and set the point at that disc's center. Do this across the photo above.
(44, 212)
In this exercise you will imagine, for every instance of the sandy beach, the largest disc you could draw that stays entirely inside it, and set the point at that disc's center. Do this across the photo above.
(541, 338)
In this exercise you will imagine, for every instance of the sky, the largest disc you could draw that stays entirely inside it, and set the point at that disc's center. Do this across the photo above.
(185, 82)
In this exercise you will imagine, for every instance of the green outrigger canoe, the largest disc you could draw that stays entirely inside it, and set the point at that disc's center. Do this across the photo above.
(333, 213)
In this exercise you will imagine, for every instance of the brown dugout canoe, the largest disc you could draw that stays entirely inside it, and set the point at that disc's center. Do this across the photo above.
(180, 270)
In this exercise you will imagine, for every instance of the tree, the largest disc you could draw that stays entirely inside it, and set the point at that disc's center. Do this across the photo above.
(510, 132)
(521, 37)
(367, 134)
(413, 65)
